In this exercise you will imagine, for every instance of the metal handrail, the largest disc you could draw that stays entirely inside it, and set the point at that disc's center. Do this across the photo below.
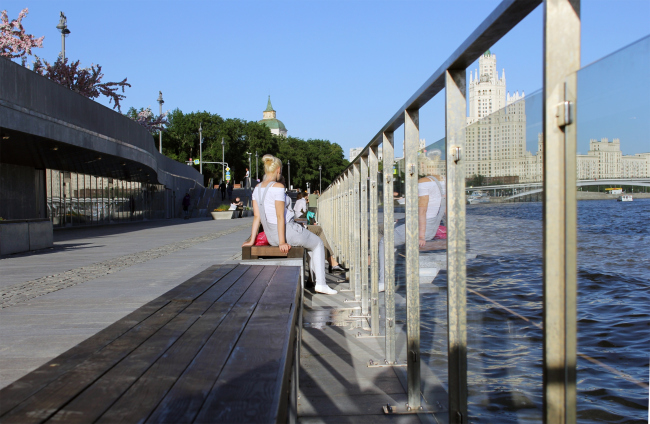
(344, 210)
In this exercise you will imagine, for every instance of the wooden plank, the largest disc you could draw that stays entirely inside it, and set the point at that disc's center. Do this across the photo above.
(274, 251)
(56, 394)
(285, 284)
(183, 401)
(253, 387)
(144, 395)
(20, 390)
(88, 405)
(249, 387)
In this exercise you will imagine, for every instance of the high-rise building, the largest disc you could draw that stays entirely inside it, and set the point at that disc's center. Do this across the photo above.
(495, 137)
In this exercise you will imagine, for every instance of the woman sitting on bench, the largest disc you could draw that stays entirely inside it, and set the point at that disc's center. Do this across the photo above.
(280, 228)
(431, 209)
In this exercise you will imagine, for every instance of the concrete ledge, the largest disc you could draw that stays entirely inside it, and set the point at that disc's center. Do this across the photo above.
(18, 236)
(14, 238)
(41, 235)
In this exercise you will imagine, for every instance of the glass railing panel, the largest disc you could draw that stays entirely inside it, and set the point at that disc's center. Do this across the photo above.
(504, 262)
(613, 163)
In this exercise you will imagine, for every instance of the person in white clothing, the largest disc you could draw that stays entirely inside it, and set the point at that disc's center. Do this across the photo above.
(300, 208)
(281, 230)
(431, 208)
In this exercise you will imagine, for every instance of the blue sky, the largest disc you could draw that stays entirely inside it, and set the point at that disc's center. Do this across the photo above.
(335, 70)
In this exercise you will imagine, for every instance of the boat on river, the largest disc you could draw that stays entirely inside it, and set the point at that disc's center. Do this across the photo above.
(478, 197)
(625, 198)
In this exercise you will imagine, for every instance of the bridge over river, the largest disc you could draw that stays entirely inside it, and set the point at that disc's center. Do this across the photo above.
(510, 192)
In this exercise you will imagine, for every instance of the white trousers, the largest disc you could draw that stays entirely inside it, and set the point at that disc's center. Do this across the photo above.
(297, 235)
(400, 239)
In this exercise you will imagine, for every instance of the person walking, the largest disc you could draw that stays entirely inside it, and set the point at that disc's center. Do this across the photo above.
(230, 189)
(246, 178)
(222, 188)
(281, 230)
(186, 205)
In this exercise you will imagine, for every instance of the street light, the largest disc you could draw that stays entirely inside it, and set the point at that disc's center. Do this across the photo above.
(256, 162)
(223, 160)
(63, 27)
(201, 148)
(160, 101)
(289, 166)
(320, 188)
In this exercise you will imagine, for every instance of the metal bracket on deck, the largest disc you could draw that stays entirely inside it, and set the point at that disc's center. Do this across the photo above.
(352, 301)
(364, 336)
(376, 364)
(405, 410)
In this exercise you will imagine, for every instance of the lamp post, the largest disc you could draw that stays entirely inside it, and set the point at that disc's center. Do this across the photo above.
(160, 102)
(256, 162)
(320, 188)
(201, 148)
(63, 27)
(289, 166)
(223, 160)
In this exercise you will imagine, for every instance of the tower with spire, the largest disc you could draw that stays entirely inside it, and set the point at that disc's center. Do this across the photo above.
(495, 137)
(269, 119)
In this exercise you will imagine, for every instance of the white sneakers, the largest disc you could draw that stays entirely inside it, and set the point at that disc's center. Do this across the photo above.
(325, 289)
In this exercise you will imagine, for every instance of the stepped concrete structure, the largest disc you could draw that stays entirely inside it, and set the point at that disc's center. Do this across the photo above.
(47, 129)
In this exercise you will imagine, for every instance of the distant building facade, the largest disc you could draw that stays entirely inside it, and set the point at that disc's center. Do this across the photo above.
(269, 119)
(605, 160)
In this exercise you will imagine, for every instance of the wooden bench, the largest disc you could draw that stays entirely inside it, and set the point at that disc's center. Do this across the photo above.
(218, 348)
(256, 252)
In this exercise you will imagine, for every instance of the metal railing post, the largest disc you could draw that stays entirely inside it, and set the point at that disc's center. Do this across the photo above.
(363, 227)
(374, 241)
(350, 219)
(561, 61)
(455, 123)
(389, 242)
(411, 144)
(356, 246)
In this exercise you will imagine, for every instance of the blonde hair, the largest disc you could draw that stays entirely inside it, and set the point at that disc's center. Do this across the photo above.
(271, 164)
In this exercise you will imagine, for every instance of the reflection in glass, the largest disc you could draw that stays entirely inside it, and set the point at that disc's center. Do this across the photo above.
(613, 237)
(77, 199)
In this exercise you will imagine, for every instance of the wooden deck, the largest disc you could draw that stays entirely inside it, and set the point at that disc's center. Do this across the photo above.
(336, 384)
(217, 348)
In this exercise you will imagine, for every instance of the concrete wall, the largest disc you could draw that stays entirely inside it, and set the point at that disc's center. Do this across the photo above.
(22, 193)
(35, 106)
(23, 236)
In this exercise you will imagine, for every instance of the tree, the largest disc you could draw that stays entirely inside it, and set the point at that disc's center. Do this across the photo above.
(14, 42)
(85, 81)
(476, 180)
(147, 119)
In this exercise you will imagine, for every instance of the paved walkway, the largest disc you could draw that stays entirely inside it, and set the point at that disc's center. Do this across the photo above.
(53, 299)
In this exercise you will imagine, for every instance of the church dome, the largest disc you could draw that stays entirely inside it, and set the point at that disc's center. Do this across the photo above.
(275, 125)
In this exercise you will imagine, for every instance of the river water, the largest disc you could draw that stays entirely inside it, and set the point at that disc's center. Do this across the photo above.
(504, 312)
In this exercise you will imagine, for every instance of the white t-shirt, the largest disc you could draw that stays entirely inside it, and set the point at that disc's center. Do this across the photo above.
(274, 194)
(300, 206)
(430, 188)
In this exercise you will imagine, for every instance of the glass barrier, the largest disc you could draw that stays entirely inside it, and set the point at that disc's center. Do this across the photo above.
(613, 163)
(504, 261)
(78, 199)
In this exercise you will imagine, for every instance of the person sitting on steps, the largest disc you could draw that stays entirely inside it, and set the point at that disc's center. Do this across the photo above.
(280, 228)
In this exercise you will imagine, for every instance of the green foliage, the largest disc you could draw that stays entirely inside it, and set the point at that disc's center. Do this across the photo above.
(476, 180)
(181, 142)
